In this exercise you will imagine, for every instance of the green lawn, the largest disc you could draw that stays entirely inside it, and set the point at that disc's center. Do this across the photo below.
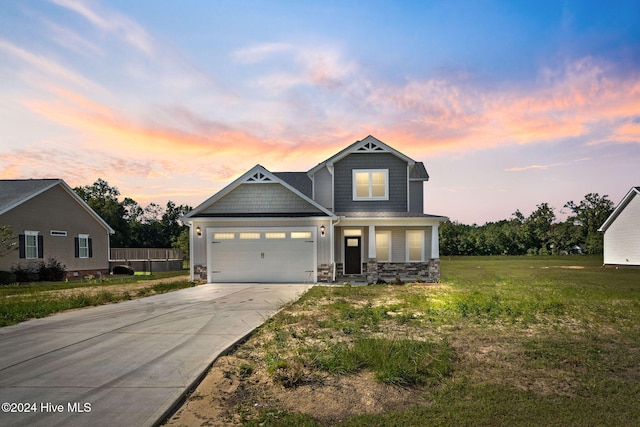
(502, 341)
(32, 300)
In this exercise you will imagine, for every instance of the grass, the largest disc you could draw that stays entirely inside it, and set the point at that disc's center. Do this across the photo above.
(33, 300)
(501, 341)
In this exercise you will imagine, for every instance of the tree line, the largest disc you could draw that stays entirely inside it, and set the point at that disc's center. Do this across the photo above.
(540, 233)
(135, 226)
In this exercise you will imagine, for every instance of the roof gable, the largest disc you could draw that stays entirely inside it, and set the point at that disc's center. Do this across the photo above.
(14, 193)
(238, 198)
(621, 206)
(367, 145)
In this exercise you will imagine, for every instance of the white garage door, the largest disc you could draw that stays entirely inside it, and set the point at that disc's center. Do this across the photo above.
(266, 255)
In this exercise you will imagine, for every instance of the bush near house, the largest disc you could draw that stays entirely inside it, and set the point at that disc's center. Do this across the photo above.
(50, 271)
(7, 278)
(123, 269)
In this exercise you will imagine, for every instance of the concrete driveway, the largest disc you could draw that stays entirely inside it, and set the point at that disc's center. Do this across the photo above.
(125, 364)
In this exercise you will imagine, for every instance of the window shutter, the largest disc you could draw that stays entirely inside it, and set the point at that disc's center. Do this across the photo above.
(40, 246)
(90, 247)
(22, 246)
(76, 242)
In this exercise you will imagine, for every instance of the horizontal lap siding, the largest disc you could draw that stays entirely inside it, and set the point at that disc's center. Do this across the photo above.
(622, 238)
(343, 178)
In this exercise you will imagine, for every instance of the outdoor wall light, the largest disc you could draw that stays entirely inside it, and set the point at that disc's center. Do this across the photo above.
(322, 230)
(198, 231)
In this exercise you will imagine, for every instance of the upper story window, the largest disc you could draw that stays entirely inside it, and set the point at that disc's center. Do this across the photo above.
(370, 184)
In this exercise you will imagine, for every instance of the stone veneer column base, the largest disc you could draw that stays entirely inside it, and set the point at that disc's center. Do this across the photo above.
(408, 271)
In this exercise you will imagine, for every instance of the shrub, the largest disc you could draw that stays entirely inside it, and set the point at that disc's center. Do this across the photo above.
(28, 273)
(7, 278)
(123, 269)
(52, 271)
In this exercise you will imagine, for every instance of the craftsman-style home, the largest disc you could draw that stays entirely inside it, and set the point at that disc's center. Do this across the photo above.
(357, 216)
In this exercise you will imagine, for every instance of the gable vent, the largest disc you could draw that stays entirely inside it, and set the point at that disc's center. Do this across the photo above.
(258, 177)
(370, 147)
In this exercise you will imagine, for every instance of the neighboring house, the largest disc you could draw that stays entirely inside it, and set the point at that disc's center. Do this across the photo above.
(50, 220)
(357, 216)
(622, 231)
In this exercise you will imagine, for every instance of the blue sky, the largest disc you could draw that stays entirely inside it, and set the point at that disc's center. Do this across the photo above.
(509, 103)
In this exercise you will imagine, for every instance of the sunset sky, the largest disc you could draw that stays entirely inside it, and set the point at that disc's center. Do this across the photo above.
(508, 103)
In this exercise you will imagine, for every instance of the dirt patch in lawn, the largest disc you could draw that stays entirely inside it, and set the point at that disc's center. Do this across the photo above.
(228, 396)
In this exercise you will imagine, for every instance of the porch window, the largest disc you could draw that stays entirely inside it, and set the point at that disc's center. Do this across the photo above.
(371, 184)
(383, 246)
(415, 245)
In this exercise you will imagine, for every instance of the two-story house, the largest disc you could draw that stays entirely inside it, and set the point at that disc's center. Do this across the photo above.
(357, 216)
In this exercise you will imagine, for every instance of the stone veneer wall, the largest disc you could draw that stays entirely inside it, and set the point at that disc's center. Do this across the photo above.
(388, 271)
(200, 272)
(325, 273)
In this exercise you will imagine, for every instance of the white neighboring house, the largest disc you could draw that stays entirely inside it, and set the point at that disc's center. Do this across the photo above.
(622, 231)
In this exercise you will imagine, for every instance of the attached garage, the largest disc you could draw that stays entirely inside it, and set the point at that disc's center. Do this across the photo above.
(249, 255)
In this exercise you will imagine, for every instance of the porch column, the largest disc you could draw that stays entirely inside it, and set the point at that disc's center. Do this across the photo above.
(372, 262)
(372, 241)
(435, 245)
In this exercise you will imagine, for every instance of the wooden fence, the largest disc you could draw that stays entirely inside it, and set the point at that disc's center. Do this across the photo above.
(145, 254)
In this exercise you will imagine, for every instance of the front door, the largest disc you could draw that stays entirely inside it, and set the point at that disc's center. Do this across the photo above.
(352, 255)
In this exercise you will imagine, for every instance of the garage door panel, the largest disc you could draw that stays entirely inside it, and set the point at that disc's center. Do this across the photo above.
(265, 259)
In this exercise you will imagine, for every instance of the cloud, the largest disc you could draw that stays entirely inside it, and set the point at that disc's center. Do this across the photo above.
(112, 22)
(289, 65)
(43, 64)
(545, 167)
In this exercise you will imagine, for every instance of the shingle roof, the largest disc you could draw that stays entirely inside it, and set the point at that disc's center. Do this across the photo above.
(419, 172)
(13, 192)
(298, 180)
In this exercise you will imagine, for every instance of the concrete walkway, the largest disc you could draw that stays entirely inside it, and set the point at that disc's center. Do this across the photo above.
(125, 364)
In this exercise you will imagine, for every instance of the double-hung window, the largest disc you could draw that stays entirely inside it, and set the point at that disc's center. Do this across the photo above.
(383, 246)
(415, 245)
(31, 244)
(83, 246)
(370, 184)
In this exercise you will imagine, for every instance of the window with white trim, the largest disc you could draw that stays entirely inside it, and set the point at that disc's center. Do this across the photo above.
(383, 246)
(83, 246)
(415, 245)
(370, 184)
(31, 244)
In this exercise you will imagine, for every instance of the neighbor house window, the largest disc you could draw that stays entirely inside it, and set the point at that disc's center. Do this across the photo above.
(371, 184)
(415, 245)
(31, 244)
(383, 246)
(82, 243)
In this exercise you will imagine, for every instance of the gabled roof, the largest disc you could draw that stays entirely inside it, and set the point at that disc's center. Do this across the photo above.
(367, 145)
(618, 210)
(14, 192)
(256, 175)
